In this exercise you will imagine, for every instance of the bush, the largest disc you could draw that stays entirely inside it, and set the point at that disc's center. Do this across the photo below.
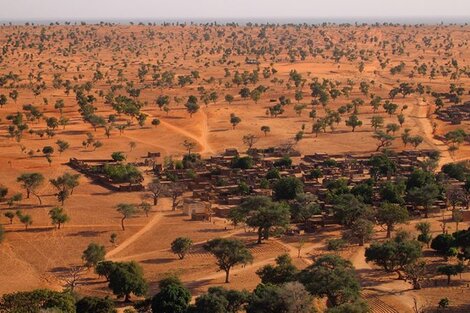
(122, 173)
(335, 244)
(287, 188)
(442, 243)
(95, 305)
(284, 162)
(243, 163)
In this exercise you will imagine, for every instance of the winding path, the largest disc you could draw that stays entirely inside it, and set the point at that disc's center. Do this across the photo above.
(201, 140)
(126, 243)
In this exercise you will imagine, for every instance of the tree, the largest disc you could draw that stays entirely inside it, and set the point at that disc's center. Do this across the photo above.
(424, 195)
(234, 120)
(442, 243)
(25, 219)
(377, 122)
(189, 145)
(390, 107)
(155, 188)
(127, 210)
(353, 122)
(250, 140)
(283, 272)
(58, 216)
(450, 270)
(10, 215)
(218, 299)
(93, 254)
(390, 214)
(385, 140)
(347, 209)
(173, 297)
(393, 255)
(265, 130)
(63, 145)
(155, 122)
(229, 99)
(290, 298)
(181, 246)
(94, 304)
(39, 300)
(425, 232)
(31, 182)
(65, 185)
(304, 207)
(262, 213)
(287, 188)
(361, 231)
(127, 278)
(229, 252)
(333, 277)
(192, 108)
(118, 156)
(414, 273)
(3, 100)
(255, 95)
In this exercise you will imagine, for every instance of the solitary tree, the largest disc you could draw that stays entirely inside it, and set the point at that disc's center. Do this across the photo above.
(127, 278)
(173, 297)
(58, 216)
(390, 214)
(93, 254)
(332, 277)
(181, 246)
(229, 252)
(31, 182)
(265, 130)
(353, 122)
(127, 210)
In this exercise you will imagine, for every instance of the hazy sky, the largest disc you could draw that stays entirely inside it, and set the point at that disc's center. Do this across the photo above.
(184, 9)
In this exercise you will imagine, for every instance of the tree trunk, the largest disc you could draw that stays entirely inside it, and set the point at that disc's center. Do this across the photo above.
(155, 200)
(260, 235)
(448, 280)
(389, 231)
(40, 201)
(227, 273)
(122, 223)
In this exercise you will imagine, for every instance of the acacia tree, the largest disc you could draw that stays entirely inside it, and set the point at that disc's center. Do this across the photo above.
(155, 188)
(93, 254)
(65, 185)
(265, 130)
(262, 213)
(173, 297)
(229, 252)
(58, 216)
(31, 182)
(394, 254)
(353, 122)
(181, 246)
(249, 140)
(332, 277)
(390, 214)
(127, 278)
(127, 210)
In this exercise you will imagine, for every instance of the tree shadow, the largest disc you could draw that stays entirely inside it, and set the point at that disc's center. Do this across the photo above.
(88, 233)
(159, 261)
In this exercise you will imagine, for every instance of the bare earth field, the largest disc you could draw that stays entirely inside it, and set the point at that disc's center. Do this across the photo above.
(109, 56)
